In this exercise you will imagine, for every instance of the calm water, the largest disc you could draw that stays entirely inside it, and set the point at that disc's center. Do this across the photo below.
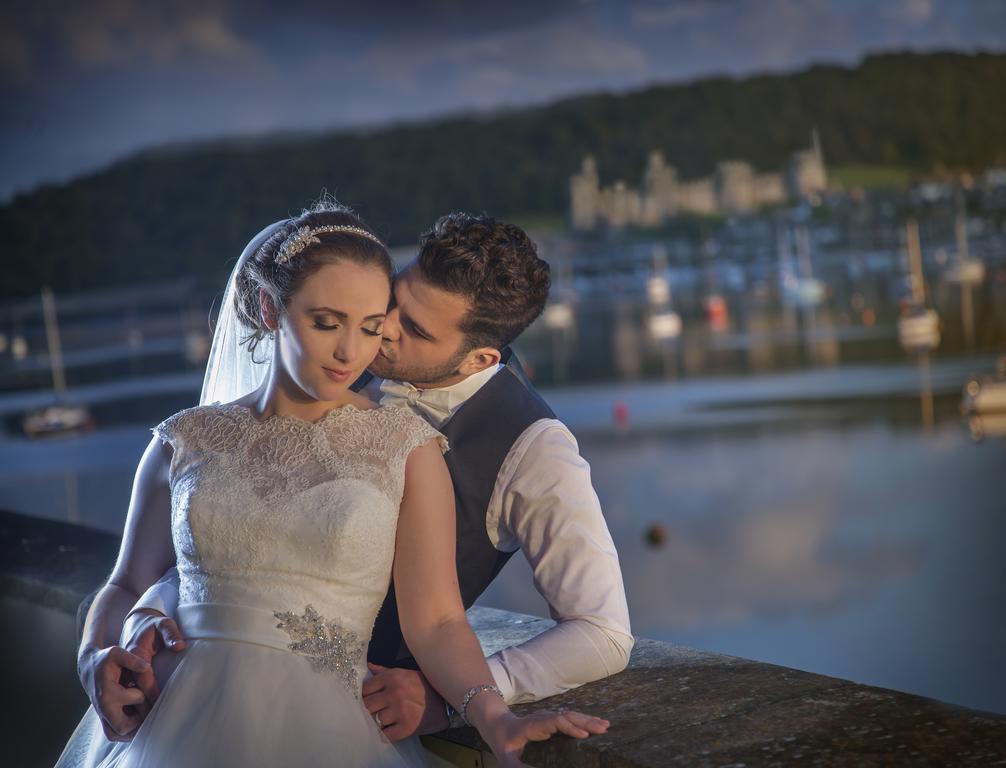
(841, 539)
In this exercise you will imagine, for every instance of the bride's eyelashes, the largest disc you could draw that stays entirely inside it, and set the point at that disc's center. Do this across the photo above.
(370, 332)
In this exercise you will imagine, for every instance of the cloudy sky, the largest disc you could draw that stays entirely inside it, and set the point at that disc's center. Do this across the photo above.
(86, 83)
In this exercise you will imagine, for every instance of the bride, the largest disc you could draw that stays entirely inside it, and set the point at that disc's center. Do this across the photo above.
(287, 510)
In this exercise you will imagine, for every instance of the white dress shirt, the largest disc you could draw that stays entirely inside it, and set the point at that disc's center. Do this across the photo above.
(543, 503)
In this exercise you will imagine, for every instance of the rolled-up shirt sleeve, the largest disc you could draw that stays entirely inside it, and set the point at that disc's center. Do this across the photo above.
(161, 596)
(544, 505)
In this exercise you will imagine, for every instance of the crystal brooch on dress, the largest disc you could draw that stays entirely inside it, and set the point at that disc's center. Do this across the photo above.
(324, 642)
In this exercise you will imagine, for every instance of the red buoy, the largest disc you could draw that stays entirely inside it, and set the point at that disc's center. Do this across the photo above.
(620, 414)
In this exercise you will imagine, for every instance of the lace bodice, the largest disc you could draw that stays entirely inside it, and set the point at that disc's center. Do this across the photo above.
(283, 514)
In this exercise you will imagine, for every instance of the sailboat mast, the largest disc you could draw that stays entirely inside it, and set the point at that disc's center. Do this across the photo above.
(53, 341)
(915, 262)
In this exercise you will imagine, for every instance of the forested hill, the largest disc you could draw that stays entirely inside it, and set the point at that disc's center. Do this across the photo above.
(188, 209)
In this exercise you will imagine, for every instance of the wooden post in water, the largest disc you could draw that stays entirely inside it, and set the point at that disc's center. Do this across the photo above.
(915, 262)
(919, 300)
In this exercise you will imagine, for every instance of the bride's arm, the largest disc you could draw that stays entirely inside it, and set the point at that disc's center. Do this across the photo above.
(433, 619)
(146, 552)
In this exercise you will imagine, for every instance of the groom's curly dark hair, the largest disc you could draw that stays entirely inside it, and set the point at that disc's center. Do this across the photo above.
(495, 266)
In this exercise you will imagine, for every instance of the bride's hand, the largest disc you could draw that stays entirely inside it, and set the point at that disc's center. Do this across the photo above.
(509, 739)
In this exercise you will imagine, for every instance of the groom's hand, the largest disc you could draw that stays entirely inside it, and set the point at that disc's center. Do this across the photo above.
(146, 633)
(405, 703)
(107, 676)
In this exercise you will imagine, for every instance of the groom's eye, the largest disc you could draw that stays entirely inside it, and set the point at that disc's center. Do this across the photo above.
(415, 330)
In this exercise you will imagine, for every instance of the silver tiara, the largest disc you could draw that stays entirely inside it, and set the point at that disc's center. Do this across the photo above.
(306, 236)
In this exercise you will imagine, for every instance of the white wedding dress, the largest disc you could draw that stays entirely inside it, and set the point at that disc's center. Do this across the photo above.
(284, 532)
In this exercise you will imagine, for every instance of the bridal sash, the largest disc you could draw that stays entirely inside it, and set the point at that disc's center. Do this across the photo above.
(237, 623)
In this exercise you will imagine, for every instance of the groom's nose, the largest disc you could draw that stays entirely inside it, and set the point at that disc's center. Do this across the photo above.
(392, 328)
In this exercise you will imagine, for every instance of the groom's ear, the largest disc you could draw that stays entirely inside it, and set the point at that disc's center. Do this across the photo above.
(479, 359)
(267, 307)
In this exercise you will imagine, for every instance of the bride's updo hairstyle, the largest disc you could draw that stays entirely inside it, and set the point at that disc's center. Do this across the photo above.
(295, 251)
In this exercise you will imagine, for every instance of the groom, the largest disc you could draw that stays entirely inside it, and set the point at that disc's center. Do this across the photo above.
(519, 481)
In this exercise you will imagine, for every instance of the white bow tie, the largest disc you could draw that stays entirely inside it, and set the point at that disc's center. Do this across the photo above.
(439, 404)
(432, 404)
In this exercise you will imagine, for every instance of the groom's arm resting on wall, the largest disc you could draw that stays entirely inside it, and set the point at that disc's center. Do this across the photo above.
(544, 504)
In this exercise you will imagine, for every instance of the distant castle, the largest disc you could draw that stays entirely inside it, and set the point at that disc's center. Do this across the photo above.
(733, 188)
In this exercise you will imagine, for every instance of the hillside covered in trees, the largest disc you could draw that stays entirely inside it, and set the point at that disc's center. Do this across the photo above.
(189, 209)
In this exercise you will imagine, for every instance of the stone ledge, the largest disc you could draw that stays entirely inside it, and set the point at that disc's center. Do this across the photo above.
(672, 706)
(677, 706)
(52, 563)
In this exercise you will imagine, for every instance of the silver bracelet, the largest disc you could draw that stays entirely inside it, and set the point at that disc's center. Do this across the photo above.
(472, 693)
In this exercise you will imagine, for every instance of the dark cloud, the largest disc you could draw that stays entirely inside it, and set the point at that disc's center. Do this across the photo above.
(83, 84)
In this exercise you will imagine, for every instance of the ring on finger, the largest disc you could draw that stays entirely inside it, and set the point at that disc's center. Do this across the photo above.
(377, 719)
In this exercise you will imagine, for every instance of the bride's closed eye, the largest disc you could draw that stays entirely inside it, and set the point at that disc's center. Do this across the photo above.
(370, 331)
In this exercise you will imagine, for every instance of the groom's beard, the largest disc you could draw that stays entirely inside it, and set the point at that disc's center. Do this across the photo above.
(387, 366)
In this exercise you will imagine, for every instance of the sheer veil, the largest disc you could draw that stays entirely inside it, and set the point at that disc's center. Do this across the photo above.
(231, 370)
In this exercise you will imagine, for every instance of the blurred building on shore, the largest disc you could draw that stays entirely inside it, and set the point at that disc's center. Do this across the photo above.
(734, 188)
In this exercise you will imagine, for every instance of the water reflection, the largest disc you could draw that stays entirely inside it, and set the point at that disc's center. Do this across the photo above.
(754, 525)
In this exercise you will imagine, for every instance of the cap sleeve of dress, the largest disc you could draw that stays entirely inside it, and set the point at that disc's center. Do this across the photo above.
(213, 428)
(171, 430)
(416, 431)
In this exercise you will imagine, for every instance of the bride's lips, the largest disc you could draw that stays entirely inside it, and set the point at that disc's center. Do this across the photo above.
(336, 375)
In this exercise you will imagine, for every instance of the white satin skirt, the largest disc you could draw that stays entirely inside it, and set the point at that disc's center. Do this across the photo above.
(240, 697)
